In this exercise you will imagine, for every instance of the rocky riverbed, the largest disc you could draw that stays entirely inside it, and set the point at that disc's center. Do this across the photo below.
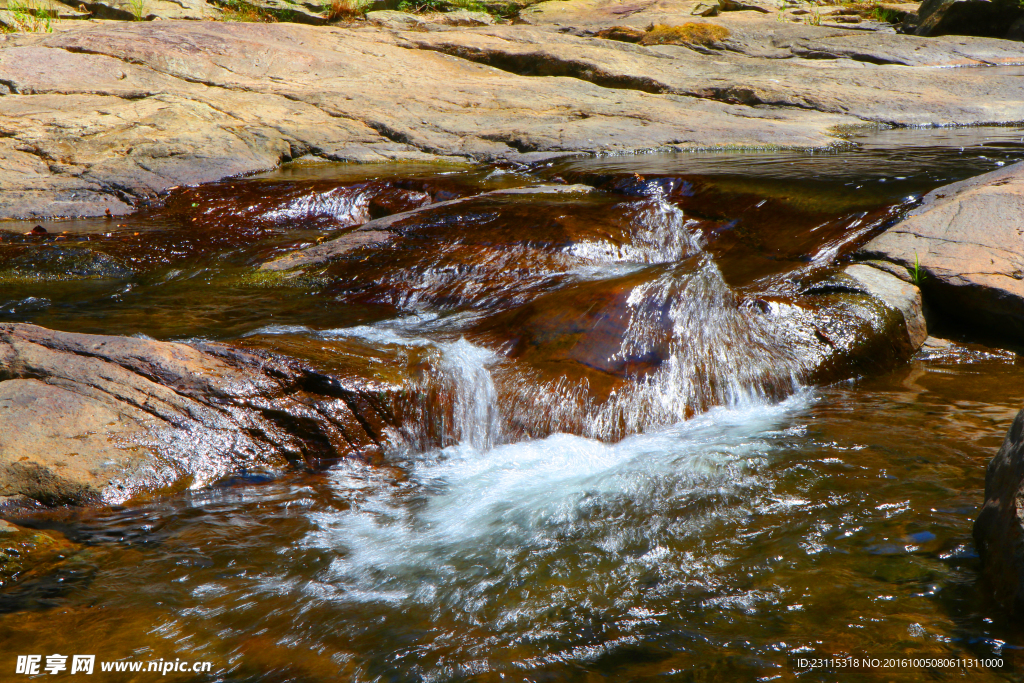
(503, 291)
(173, 103)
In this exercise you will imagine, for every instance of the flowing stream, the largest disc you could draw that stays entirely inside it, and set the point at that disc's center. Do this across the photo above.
(619, 458)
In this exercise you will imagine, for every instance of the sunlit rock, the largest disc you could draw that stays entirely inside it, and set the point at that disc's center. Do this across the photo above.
(964, 247)
(87, 418)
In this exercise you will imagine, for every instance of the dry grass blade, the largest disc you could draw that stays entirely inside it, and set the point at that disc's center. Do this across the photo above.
(688, 34)
(340, 10)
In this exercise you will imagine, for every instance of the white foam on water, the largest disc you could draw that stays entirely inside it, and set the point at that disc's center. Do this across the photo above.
(463, 520)
(659, 233)
(477, 419)
(340, 204)
(401, 331)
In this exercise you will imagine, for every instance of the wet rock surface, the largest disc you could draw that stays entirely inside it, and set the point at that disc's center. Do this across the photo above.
(617, 316)
(998, 531)
(90, 418)
(172, 103)
(896, 293)
(964, 245)
(603, 305)
(25, 553)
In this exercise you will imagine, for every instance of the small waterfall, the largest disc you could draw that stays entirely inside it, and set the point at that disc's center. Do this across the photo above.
(716, 352)
(688, 345)
(659, 233)
(463, 369)
(706, 348)
(672, 341)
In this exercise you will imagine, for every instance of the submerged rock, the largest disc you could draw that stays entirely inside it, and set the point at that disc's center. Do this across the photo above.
(387, 228)
(88, 418)
(51, 262)
(964, 246)
(999, 531)
(25, 551)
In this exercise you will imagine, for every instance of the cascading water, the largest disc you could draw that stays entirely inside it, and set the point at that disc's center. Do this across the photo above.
(685, 342)
(681, 343)
(476, 414)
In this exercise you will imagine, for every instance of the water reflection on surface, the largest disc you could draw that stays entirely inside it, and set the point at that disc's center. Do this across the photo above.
(835, 521)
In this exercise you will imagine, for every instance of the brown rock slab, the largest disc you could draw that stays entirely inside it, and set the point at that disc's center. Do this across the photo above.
(835, 70)
(87, 418)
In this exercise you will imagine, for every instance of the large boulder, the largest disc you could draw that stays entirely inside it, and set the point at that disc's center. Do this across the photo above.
(968, 17)
(999, 530)
(964, 246)
(89, 418)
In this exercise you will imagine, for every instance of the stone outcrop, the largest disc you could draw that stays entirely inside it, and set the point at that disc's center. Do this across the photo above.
(897, 294)
(964, 245)
(147, 10)
(96, 418)
(968, 17)
(172, 103)
(999, 531)
(406, 20)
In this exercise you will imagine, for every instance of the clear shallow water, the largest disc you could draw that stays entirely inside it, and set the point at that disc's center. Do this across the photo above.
(836, 520)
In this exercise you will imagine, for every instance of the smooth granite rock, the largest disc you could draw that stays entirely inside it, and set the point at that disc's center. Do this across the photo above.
(105, 116)
(90, 418)
(965, 245)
